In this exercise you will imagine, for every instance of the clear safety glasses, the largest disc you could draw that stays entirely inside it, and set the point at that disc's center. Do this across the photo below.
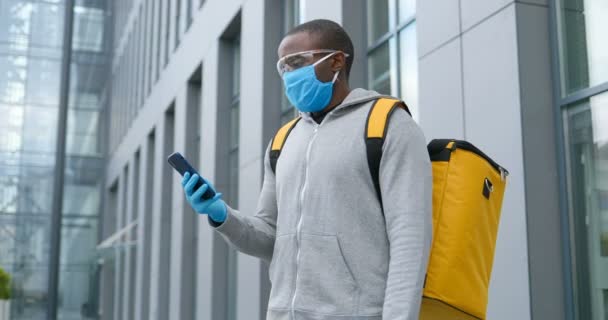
(298, 60)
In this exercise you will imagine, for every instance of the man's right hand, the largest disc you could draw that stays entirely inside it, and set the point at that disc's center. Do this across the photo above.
(214, 207)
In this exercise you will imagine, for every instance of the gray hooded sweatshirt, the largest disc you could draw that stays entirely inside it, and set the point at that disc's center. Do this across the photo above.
(333, 252)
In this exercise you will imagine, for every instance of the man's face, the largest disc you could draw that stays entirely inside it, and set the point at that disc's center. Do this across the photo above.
(303, 41)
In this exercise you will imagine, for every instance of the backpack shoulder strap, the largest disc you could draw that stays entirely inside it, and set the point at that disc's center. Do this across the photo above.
(279, 141)
(375, 132)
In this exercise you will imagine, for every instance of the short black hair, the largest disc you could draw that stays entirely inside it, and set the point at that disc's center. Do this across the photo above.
(331, 36)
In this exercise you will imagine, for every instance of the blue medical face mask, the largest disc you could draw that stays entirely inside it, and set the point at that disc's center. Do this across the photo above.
(305, 91)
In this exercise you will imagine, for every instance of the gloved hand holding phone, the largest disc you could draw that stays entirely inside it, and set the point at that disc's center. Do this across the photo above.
(215, 207)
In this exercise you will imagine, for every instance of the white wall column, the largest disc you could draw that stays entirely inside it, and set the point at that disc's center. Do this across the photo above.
(251, 148)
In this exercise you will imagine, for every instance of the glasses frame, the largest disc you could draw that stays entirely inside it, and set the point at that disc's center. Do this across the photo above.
(313, 52)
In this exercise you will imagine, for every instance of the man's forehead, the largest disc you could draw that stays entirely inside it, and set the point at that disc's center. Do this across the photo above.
(298, 42)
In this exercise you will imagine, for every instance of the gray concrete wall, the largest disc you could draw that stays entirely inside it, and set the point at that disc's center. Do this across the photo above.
(485, 77)
(470, 89)
(545, 237)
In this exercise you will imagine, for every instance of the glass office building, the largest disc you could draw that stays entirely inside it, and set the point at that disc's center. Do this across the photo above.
(526, 81)
(32, 35)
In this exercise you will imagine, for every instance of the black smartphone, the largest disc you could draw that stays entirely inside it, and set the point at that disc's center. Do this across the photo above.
(179, 163)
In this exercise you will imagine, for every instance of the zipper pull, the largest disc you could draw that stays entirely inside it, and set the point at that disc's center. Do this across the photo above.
(503, 174)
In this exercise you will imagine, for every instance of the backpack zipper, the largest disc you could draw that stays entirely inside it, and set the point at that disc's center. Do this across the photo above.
(465, 145)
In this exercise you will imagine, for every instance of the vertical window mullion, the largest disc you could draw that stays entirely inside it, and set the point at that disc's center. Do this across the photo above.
(386, 47)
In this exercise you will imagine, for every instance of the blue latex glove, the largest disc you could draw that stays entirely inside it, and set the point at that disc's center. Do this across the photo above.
(214, 207)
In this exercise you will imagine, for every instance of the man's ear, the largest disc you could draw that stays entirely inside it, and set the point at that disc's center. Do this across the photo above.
(339, 62)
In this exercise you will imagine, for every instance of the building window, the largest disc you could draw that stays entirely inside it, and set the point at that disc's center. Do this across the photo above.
(392, 58)
(149, 49)
(584, 57)
(587, 157)
(138, 60)
(583, 103)
(233, 152)
(178, 22)
(189, 13)
(88, 29)
(291, 18)
(167, 31)
(157, 17)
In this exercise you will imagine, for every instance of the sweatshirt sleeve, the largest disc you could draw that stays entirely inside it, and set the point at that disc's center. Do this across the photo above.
(406, 190)
(253, 234)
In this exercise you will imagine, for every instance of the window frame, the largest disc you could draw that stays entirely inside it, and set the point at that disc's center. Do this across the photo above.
(562, 103)
(391, 39)
(291, 17)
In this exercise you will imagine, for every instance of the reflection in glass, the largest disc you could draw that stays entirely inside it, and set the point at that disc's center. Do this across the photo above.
(377, 19)
(88, 29)
(379, 70)
(15, 24)
(46, 25)
(606, 304)
(38, 128)
(83, 164)
(43, 81)
(393, 62)
(407, 10)
(83, 126)
(291, 14)
(13, 70)
(10, 125)
(587, 138)
(583, 46)
(236, 69)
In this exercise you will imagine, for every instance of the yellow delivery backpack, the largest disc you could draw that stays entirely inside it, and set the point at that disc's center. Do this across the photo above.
(468, 189)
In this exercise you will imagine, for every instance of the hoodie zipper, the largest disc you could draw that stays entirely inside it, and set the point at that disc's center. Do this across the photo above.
(299, 225)
(304, 185)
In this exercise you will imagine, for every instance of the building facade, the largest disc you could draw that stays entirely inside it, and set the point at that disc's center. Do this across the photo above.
(525, 81)
(52, 83)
